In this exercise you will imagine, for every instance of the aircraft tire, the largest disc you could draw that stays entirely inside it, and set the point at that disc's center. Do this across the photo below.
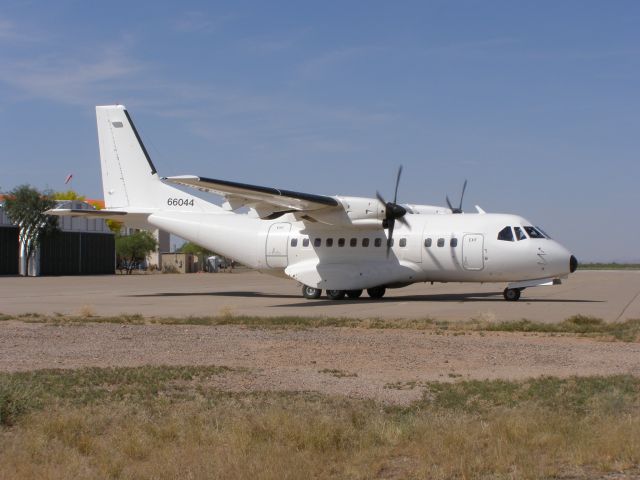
(336, 294)
(511, 294)
(311, 292)
(376, 292)
(354, 293)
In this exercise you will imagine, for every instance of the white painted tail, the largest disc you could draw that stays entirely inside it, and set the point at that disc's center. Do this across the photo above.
(129, 178)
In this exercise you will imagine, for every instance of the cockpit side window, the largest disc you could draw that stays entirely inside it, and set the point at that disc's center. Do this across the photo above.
(533, 232)
(519, 234)
(506, 234)
(543, 232)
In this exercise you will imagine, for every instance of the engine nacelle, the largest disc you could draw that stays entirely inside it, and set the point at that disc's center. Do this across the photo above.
(354, 211)
(427, 209)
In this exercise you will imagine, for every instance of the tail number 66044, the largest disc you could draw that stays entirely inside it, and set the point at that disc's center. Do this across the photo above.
(180, 202)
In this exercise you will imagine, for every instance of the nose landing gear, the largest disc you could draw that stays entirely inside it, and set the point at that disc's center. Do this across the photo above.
(512, 294)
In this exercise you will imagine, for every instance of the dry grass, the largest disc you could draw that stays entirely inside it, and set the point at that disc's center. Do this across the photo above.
(583, 325)
(165, 422)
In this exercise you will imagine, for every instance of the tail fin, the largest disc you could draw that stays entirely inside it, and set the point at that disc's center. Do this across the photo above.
(129, 178)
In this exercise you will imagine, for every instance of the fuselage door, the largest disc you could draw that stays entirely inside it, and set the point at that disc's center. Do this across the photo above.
(277, 244)
(473, 251)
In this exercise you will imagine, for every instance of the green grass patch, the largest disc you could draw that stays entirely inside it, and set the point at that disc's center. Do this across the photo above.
(24, 391)
(609, 266)
(627, 330)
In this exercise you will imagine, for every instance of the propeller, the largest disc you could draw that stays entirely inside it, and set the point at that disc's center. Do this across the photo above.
(392, 212)
(459, 209)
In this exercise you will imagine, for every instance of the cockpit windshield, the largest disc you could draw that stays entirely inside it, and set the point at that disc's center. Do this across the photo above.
(519, 233)
(533, 232)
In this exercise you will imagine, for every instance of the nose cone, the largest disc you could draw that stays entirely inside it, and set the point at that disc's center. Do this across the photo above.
(573, 264)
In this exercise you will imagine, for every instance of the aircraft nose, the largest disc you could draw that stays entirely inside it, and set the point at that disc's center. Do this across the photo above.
(573, 264)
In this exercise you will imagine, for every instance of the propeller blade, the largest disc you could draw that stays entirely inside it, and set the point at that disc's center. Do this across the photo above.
(395, 195)
(449, 203)
(392, 223)
(464, 187)
(380, 199)
(403, 221)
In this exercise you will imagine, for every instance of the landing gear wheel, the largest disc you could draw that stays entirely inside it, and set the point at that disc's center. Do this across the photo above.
(311, 292)
(336, 294)
(354, 293)
(511, 294)
(376, 292)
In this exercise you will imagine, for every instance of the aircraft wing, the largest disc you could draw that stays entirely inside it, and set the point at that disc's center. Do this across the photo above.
(269, 202)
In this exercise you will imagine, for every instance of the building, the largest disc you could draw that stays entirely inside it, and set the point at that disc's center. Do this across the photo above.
(83, 246)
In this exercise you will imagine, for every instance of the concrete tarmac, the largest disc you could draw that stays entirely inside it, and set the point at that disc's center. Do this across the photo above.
(610, 295)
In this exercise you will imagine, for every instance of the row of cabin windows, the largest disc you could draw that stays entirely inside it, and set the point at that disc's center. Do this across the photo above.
(377, 242)
(453, 243)
(353, 242)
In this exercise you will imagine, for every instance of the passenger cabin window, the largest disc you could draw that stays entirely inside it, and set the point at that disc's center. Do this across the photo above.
(305, 242)
(377, 242)
(403, 242)
(353, 242)
(428, 242)
(294, 242)
(317, 242)
(533, 233)
(341, 242)
(453, 243)
(365, 242)
(329, 242)
(391, 241)
(519, 234)
(441, 242)
(506, 234)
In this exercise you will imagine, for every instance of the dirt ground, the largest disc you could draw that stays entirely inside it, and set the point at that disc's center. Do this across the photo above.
(382, 364)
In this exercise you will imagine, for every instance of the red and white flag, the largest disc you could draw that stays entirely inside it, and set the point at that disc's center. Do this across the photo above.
(68, 179)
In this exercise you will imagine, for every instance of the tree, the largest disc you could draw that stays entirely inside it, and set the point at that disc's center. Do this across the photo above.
(195, 249)
(133, 249)
(25, 206)
(68, 195)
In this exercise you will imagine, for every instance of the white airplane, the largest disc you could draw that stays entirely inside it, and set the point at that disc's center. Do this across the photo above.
(342, 245)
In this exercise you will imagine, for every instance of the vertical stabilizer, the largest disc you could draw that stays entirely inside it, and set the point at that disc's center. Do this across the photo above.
(129, 178)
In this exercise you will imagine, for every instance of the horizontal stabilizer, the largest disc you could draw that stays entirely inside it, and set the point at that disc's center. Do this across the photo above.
(77, 212)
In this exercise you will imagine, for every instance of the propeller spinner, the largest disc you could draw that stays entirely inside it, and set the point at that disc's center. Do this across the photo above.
(392, 212)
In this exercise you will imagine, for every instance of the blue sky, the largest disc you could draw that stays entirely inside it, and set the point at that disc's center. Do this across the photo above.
(536, 103)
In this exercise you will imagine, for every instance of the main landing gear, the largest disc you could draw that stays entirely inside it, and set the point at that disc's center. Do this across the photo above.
(512, 294)
(310, 292)
(313, 293)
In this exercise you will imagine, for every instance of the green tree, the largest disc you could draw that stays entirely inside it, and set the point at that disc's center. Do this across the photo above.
(26, 207)
(195, 249)
(133, 249)
(68, 195)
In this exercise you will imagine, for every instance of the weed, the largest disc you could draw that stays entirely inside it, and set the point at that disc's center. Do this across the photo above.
(337, 373)
(163, 422)
(627, 330)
